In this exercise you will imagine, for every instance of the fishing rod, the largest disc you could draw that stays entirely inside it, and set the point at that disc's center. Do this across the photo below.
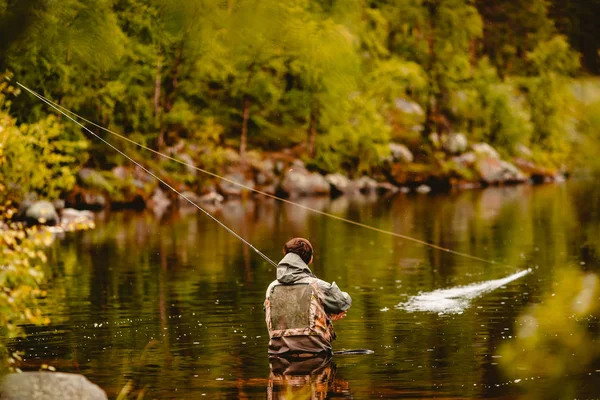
(64, 111)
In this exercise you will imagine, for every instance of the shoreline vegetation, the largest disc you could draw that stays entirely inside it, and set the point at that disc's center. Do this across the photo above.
(329, 98)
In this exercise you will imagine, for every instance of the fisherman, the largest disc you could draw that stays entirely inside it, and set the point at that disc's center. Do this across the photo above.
(300, 307)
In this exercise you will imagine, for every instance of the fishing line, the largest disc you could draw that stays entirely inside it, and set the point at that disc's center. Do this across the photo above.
(154, 176)
(64, 111)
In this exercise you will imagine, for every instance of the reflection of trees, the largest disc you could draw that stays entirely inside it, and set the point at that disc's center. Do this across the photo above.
(188, 284)
(558, 340)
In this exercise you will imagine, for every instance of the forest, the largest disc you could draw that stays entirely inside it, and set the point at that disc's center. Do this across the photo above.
(334, 82)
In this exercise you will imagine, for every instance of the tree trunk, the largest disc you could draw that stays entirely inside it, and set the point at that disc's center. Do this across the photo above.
(432, 103)
(312, 130)
(246, 116)
(157, 89)
(157, 83)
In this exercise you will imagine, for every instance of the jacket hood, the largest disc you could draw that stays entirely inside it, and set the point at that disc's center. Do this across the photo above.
(291, 269)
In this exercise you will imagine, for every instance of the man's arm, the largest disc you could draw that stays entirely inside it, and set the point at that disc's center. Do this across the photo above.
(334, 300)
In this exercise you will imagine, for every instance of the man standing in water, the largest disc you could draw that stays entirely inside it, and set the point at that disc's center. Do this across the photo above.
(300, 307)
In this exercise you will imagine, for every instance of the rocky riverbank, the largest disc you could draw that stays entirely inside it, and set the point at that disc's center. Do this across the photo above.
(457, 166)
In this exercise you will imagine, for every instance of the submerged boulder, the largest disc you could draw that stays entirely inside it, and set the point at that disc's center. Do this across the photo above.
(49, 386)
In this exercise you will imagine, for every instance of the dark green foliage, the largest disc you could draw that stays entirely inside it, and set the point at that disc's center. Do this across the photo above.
(327, 77)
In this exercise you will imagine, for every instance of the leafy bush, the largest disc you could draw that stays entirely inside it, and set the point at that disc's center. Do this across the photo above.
(357, 144)
(39, 157)
(21, 274)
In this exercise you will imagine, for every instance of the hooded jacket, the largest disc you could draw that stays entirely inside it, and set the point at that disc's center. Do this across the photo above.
(292, 270)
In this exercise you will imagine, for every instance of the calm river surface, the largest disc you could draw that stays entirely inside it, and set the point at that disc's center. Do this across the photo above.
(173, 306)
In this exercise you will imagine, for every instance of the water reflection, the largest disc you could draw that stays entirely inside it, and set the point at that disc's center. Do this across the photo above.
(312, 378)
(195, 292)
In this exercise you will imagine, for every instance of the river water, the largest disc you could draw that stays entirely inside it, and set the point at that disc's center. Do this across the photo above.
(172, 307)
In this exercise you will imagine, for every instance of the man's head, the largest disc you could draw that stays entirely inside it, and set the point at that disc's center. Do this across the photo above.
(299, 246)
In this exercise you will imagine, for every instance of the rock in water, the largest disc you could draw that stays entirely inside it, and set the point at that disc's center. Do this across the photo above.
(49, 386)
(299, 182)
(339, 183)
(229, 189)
(493, 171)
(366, 184)
(41, 212)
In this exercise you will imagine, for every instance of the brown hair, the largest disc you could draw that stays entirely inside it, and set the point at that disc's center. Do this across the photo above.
(299, 246)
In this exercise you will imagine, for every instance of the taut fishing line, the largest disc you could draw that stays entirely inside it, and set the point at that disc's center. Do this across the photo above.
(64, 111)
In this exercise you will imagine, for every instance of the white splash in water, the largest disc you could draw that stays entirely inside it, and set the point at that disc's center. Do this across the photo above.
(455, 300)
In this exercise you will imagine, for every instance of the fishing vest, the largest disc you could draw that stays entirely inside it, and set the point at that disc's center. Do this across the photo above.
(295, 310)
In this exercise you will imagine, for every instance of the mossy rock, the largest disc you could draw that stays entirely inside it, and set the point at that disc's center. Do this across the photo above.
(92, 179)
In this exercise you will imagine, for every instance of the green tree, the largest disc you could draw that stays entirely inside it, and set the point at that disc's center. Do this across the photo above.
(512, 28)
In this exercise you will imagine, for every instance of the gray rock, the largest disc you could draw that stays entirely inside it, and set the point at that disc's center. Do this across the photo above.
(190, 166)
(299, 182)
(454, 143)
(339, 183)
(49, 386)
(59, 204)
(408, 107)
(492, 171)
(298, 164)
(121, 173)
(268, 166)
(401, 153)
(70, 215)
(484, 150)
(423, 189)
(41, 212)
(365, 184)
(261, 179)
(193, 197)
(93, 200)
(159, 202)
(142, 176)
(466, 159)
(211, 198)
(386, 187)
(229, 189)
(279, 166)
